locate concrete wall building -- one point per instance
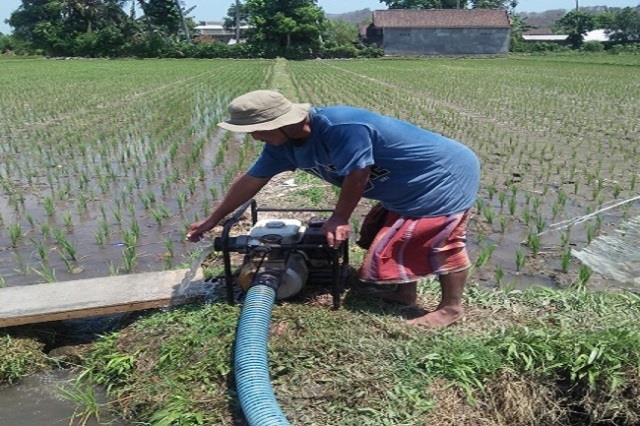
(215, 31)
(440, 31)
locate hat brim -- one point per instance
(296, 115)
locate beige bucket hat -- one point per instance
(263, 110)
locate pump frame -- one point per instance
(339, 255)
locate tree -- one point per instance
(65, 27)
(6, 43)
(230, 19)
(40, 23)
(576, 23)
(495, 4)
(340, 33)
(625, 26)
(282, 24)
(161, 15)
(519, 26)
(425, 4)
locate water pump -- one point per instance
(283, 253)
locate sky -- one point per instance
(213, 10)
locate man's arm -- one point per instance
(241, 191)
(337, 228)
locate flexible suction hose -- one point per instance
(251, 365)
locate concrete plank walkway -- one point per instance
(97, 296)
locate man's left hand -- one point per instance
(336, 230)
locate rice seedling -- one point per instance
(488, 214)
(584, 274)
(565, 260)
(533, 241)
(41, 249)
(68, 249)
(512, 205)
(192, 185)
(134, 228)
(68, 221)
(168, 245)
(45, 272)
(540, 223)
(485, 255)
(48, 205)
(520, 259)
(117, 215)
(160, 214)
(502, 198)
(15, 234)
(181, 200)
(45, 230)
(213, 192)
(591, 232)
(498, 274)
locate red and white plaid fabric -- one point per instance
(408, 248)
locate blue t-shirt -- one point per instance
(414, 172)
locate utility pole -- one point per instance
(237, 21)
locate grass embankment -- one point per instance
(534, 357)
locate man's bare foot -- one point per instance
(441, 317)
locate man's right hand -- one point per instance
(197, 229)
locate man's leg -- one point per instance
(450, 308)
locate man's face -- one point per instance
(271, 137)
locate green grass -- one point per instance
(363, 365)
(19, 357)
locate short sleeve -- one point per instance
(272, 160)
(351, 147)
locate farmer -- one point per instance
(425, 183)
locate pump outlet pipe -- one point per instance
(251, 363)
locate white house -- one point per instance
(217, 32)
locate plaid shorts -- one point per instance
(405, 249)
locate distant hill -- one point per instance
(357, 17)
(544, 21)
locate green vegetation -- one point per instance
(19, 357)
(102, 28)
(558, 355)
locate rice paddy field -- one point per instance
(105, 162)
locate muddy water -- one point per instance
(38, 401)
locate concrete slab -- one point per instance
(97, 296)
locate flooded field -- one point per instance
(102, 173)
(104, 163)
